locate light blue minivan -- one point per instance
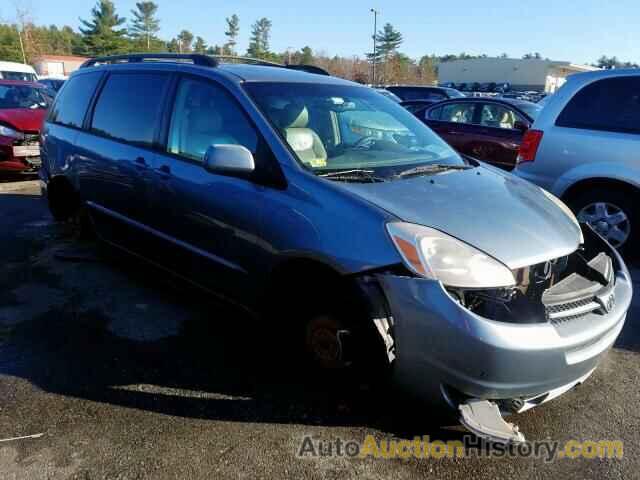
(329, 206)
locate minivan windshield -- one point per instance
(333, 128)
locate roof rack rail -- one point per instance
(267, 63)
(196, 59)
(309, 69)
(250, 60)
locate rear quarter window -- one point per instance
(71, 104)
(612, 104)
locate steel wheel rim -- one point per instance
(608, 220)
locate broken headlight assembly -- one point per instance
(435, 255)
(556, 291)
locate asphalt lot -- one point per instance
(128, 375)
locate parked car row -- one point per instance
(579, 144)
(337, 210)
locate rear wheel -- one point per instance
(611, 213)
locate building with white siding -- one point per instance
(521, 74)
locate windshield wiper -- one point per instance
(431, 169)
(356, 175)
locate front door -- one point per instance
(212, 222)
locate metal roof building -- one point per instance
(522, 74)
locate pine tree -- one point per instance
(259, 42)
(200, 46)
(389, 40)
(145, 25)
(101, 35)
(185, 39)
(233, 29)
(306, 56)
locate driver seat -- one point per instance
(303, 141)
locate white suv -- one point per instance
(584, 147)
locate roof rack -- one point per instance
(267, 63)
(197, 59)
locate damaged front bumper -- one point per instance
(448, 354)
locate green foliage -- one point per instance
(10, 44)
(184, 41)
(102, 35)
(145, 25)
(306, 56)
(612, 62)
(389, 40)
(200, 46)
(259, 42)
(233, 29)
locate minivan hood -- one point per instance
(508, 218)
(23, 119)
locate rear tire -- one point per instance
(612, 214)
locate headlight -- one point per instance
(10, 132)
(438, 256)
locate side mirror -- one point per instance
(229, 160)
(520, 125)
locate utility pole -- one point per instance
(24, 57)
(375, 46)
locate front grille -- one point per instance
(564, 312)
(576, 296)
(29, 139)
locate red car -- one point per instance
(23, 106)
(489, 129)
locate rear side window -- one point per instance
(612, 105)
(129, 107)
(434, 114)
(458, 112)
(72, 102)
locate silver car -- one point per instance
(584, 148)
(350, 222)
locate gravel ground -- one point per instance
(127, 375)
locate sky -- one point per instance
(579, 31)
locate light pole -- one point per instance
(375, 55)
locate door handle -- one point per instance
(164, 171)
(141, 162)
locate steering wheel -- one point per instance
(365, 142)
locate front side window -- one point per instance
(130, 106)
(612, 104)
(72, 102)
(335, 127)
(497, 116)
(205, 115)
(458, 113)
(23, 96)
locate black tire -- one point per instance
(586, 206)
(80, 225)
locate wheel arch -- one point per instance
(581, 186)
